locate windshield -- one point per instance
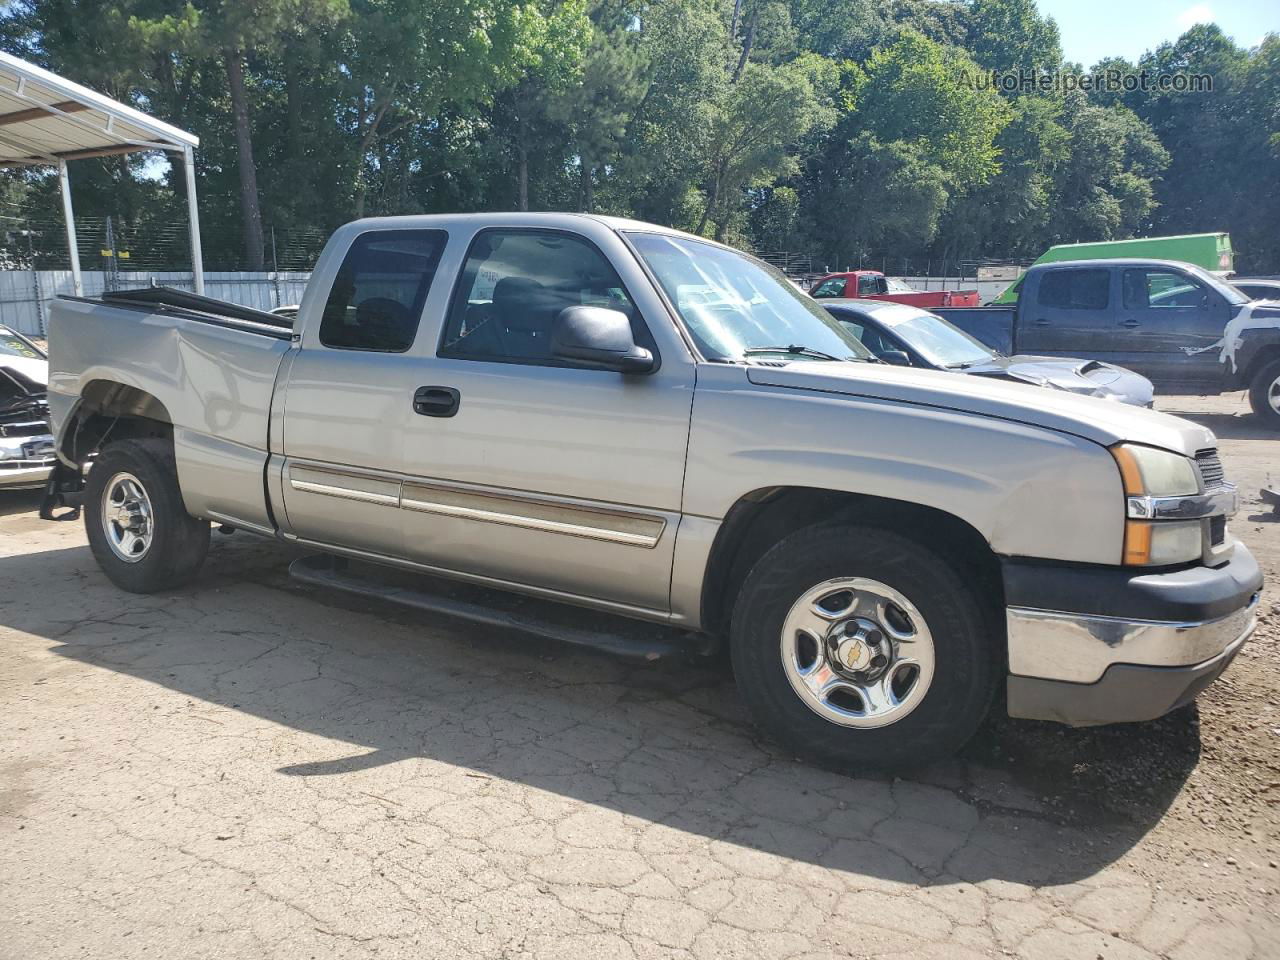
(12, 345)
(1230, 293)
(893, 285)
(936, 340)
(735, 306)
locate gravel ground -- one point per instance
(248, 768)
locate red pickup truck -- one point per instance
(874, 285)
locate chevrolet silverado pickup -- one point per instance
(1180, 326)
(618, 416)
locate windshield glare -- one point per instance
(938, 341)
(731, 303)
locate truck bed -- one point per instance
(992, 325)
(210, 365)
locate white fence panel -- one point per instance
(25, 294)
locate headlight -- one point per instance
(1148, 472)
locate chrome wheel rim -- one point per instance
(127, 517)
(857, 652)
(1273, 395)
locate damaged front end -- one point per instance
(26, 442)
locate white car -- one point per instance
(26, 445)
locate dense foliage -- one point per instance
(841, 129)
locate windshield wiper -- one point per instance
(795, 350)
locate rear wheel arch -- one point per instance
(109, 411)
(763, 517)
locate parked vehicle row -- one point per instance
(909, 336)
(627, 418)
(1178, 325)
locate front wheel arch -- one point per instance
(761, 518)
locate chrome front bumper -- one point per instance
(1163, 638)
(1079, 648)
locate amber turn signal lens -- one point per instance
(1137, 541)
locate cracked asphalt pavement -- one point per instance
(251, 768)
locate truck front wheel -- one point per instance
(1264, 394)
(139, 530)
(858, 647)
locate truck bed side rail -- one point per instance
(193, 307)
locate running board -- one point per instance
(619, 636)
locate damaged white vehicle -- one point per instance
(26, 444)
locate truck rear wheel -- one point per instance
(859, 647)
(139, 530)
(1264, 394)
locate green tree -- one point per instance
(1011, 35)
(754, 126)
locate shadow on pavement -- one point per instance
(666, 742)
(1227, 426)
(13, 502)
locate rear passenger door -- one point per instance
(349, 391)
(1069, 312)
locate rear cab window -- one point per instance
(1088, 289)
(377, 296)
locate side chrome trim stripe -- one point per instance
(345, 486)
(629, 529)
(345, 493)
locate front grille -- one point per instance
(1210, 468)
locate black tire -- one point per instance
(968, 661)
(178, 541)
(1265, 381)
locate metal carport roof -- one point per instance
(46, 119)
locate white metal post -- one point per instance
(64, 184)
(193, 217)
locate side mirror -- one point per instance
(598, 336)
(897, 358)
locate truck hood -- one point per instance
(1102, 421)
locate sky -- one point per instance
(1094, 29)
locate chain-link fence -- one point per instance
(115, 244)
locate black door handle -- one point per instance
(436, 401)
(1041, 321)
(1129, 323)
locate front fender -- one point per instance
(1028, 490)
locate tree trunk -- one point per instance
(250, 213)
(712, 195)
(522, 175)
(586, 186)
(747, 43)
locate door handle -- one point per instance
(1130, 323)
(436, 401)
(1041, 322)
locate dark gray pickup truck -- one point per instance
(1178, 325)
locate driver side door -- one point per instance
(548, 474)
